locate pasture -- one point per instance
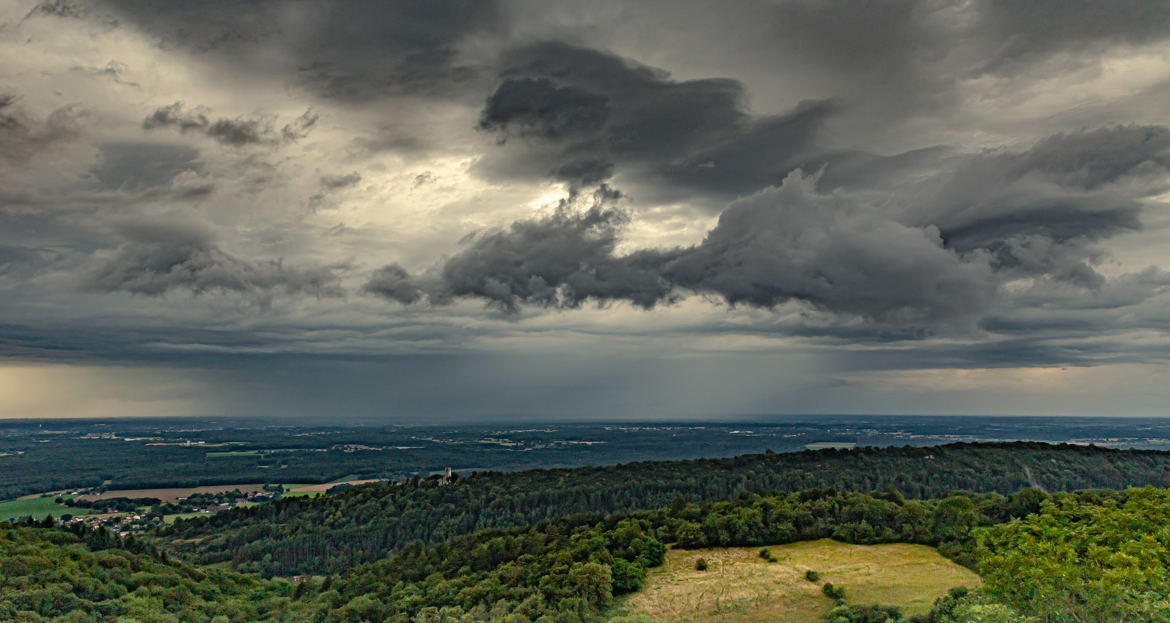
(739, 586)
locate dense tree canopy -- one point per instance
(1092, 555)
(361, 525)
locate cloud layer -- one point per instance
(549, 199)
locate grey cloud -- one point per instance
(300, 127)
(793, 243)
(393, 282)
(935, 261)
(537, 107)
(23, 261)
(134, 166)
(159, 258)
(583, 116)
(237, 132)
(113, 70)
(334, 182)
(785, 243)
(1089, 159)
(351, 51)
(1030, 30)
(870, 42)
(1040, 211)
(559, 261)
(22, 136)
(58, 8)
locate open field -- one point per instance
(172, 494)
(170, 519)
(38, 507)
(322, 488)
(739, 586)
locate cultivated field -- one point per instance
(739, 586)
(294, 490)
(171, 494)
(38, 507)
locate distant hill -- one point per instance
(332, 534)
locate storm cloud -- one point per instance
(353, 51)
(160, 258)
(987, 220)
(583, 116)
(793, 193)
(786, 243)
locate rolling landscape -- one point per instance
(552, 311)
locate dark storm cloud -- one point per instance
(159, 258)
(861, 38)
(1039, 211)
(537, 107)
(560, 261)
(793, 243)
(237, 132)
(991, 218)
(783, 244)
(901, 43)
(352, 51)
(590, 109)
(581, 116)
(1031, 30)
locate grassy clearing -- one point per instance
(38, 507)
(302, 494)
(739, 586)
(170, 519)
(312, 490)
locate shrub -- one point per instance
(701, 564)
(812, 576)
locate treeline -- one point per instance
(335, 533)
(1088, 556)
(110, 505)
(569, 569)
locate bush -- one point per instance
(766, 554)
(812, 576)
(701, 564)
(833, 592)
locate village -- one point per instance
(153, 508)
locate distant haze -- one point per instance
(507, 210)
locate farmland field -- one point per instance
(172, 494)
(38, 507)
(295, 490)
(738, 585)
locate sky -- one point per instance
(462, 210)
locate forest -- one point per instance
(332, 534)
(36, 457)
(1053, 531)
(1085, 556)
